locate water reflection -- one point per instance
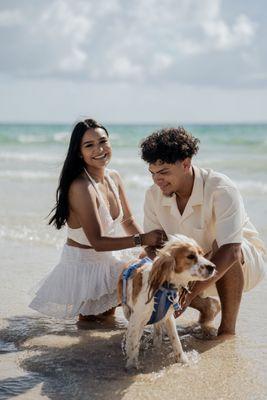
(84, 361)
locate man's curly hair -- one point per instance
(169, 145)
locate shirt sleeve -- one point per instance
(229, 215)
(151, 221)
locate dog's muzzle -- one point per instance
(203, 269)
(207, 270)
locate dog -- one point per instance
(179, 262)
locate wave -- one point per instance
(33, 135)
(245, 187)
(34, 234)
(61, 137)
(138, 181)
(141, 180)
(252, 187)
(18, 156)
(127, 162)
(32, 138)
(27, 175)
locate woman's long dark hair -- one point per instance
(72, 168)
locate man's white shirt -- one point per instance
(214, 211)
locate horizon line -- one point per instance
(137, 123)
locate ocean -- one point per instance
(31, 157)
(42, 358)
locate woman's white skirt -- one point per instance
(84, 282)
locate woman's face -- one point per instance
(95, 148)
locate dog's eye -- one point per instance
(191, 257)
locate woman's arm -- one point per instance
(83, 202)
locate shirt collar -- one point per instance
(197, 194)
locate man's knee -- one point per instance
(237, 255)
(235, 251)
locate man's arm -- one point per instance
(229, 220)
(224, 258)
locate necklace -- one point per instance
(106, 196)
(104, 193)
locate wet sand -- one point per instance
(41, 358)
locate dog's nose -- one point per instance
(210, 268)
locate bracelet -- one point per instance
(137, 240)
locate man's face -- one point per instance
(168, 177)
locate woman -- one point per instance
(91, 201)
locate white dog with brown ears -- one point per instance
(179, 262)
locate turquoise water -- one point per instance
(31, 157)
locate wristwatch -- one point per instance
(137, 240)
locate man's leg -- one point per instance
(230, 289)
(208, 308)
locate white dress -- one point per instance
(84, 281)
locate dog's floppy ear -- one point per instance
(160, 273)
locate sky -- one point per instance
(133, 61)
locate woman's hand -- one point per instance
(154, 238)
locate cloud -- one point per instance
(225, 37)
(141, 41)
(61, 21)
(10, 18)
(122, 67)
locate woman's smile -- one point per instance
(100, 157)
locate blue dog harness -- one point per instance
(127, 273)
(165, 296)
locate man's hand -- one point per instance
(184, 299)
(151, 252)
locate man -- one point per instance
(206, 206)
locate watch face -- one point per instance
(137, 240)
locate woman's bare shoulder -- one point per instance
(80, 185)
(115, 176)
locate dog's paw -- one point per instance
(181, 358)
(205, 333)
(157, 342)
(131, 366)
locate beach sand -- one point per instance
(42, 358)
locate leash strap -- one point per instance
(127, 273)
